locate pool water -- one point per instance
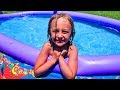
(90, 39)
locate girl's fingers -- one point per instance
(63, 52)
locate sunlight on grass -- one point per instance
(110, 14)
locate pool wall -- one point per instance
(100, 20)
(103, 21)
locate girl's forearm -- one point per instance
(43, 68)
(65, 68)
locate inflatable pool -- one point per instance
(87, 65)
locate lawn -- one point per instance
(110, 14)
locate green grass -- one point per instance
(8, 12)
(110, 14)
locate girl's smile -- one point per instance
(60, 31)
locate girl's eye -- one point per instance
(55, 31)
(65, 32)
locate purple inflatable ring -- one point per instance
(87, 65)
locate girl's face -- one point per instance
(60, 31)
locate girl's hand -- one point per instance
(63, 53)
(55, 54)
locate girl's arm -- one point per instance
(42, 64)
(69, 70)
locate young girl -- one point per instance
(60, 32)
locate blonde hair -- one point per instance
(57, 16)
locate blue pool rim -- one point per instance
(103, 21)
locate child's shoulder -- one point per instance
(73, 47)
(47, 44)
(72, 50)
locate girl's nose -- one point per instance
(59, 34)
(60, 38)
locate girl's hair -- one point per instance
(57, 16)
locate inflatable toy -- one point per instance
(87, 65)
